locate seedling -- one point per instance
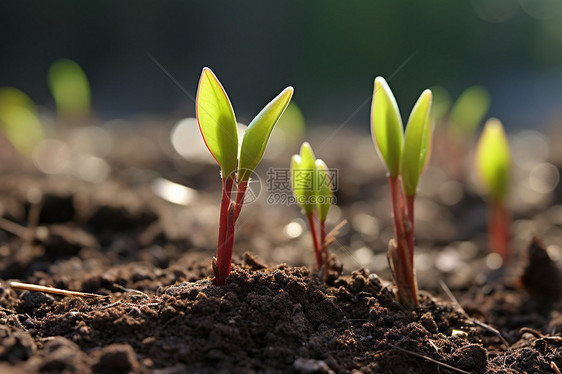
(468, 112)
(312, 188)
(19, 121)
(457, 128)
(217, 124)
(405, 157)
(492, 159)
(70, 88)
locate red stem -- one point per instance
(223, 255)
(240, 193)
(313, 232)
(402, 253)
(322, 234)
(498, 229)
(398, 212)
(410, 228)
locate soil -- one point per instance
(149, 259)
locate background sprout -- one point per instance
(312, 188)
(405, 158)
(217, 124)
(291, 124)
(493, 161)
(70, 88)
(469, 111)
(19, 120)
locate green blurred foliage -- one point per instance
(70, 88)
(19, 121)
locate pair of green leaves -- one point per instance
(404, 154)
(217, 123)
(493, 159)
(311, 182)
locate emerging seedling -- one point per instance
(492, 159)
(70, 88)
(19, 121)
(217, 124)
(405, 157)
(312, 188)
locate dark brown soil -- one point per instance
(160, 313)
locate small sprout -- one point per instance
(405, 157)
(19, 120)
(70, 88)
(469, 111)
(493, 162)
(312, 187)
(217, 124)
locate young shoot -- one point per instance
(19, 121)
(312, 188)
(405, 157)
(492, 160)
(70, 88)
(217, 124)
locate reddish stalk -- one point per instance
(498, 229)
(313, 232)
(322, 234)
(410, 227)
(222, 248)
(240, 194)
(400, 251)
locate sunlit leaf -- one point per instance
(303, 169)
(19, 121)
(469, 111)
(386, 126)
(70, 88)
(323, 190)
(217, 122)
(258, 132)
(493, 159)
(416, 143)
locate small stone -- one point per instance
(31, 301)
(117, 358)
(308, 365)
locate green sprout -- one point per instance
(70, 88)
(312, 187)
(19, 120)
(469, 111)
(493, 161)
(217, 124)
(405, 157)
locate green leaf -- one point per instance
(217, 122)
(303, 171)
(469, 111)
(386, 126)
(19, 120)
(70, 88)
(416, 143)
(493, 159)
(323, 190)
(258, 132)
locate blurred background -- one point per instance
(330, 51)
